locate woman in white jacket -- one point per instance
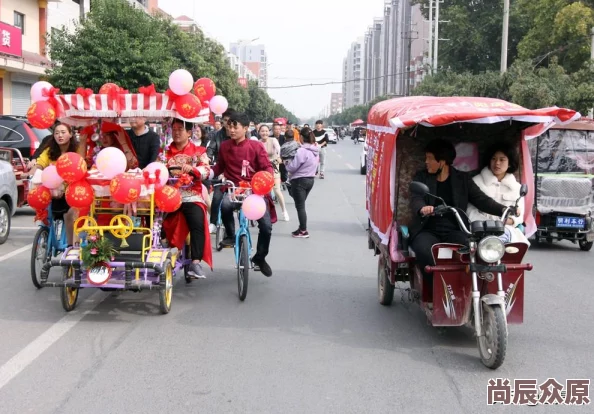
(498, 182)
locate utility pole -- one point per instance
(436, 40)
(504, 36)
(591, 111)
(430, 36)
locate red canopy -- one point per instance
(358, 122)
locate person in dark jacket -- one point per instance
(146, 143)
(218, 137)
(457, 189)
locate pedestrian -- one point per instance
(199, 137)
(276, 133)
(146, 143)
(302, 169)
(287, 152)
(273, 150)
(322, 141)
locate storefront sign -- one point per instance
(11, 40)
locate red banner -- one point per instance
(11, 40)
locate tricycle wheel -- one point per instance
(243, 268)
(4, 221)
(493, 343)
(166, 291)
(385, 289)
(68, 295)
(220, 236)
(39, 255)
(186, 275)
(585, 246)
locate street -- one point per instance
(311, 339)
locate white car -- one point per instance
(8, 193)
(364, 159)
(332, 138)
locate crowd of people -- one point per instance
(235, 149)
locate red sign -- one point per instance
(11, 40)
(243, 82)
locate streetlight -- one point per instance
(504, 36)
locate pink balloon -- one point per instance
(254, 207)
(218, 104)
(50, 178)
(37, 91)
(181, 82)
(111, 161)
(163, 175)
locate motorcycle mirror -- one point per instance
(523, 190)
(418, 188)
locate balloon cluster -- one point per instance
(45, 108)
(188, 105)
(254, 206)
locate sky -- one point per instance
(305, 40)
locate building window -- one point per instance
(19, 21)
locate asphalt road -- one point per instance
(310, 339)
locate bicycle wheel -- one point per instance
(243, 267)
(39, 255)
(68, 295)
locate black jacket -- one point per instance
(215, 143)
(464, 191)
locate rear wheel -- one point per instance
(385, 289)
(39, 255)
(166, 291)
(4, 221)
(68, 295)
(220, 236)
(493, 344)
(243, 268)
(585, 246)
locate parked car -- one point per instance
(17, 132)
(8, 194)
(332, 138)
(364, 159)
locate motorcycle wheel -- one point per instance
(585, 246)
(493, 344)
(385, 290)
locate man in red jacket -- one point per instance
(239, 159)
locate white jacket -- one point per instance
(504, 192)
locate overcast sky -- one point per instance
(305, 40)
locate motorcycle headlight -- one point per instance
(491, 249)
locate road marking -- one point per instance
(24, 228)
(339, 156)
(39, 345)
(333, 150)
(16, 252)
(350, 166)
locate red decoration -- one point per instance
(188, 106)
(183, 180)
(262, 183)
(39, 198)
(71, 167)
(148, 90)
(80, 194)
(168, 199)
(84, 92)
(205, 89)
(109, 89)
(41, 114)
(125, 188)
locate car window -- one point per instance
(9, 135)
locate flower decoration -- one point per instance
(98, 251)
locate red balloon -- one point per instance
(41, 114)
(71, 167)
(80, 194)
(262, 183)
(205, 89)
(39, 198)
(188, 106)
(109, 88)
(168, 199)
(125, 188)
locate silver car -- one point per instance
(8, 193)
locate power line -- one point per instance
(334, 82)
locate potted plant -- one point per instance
(96, 254)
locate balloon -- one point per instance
(37, 91)
(41, 115)
(262, 183)
(39, 198)
(218, 104)
(80, 194)
(188, 106)
(50, 178)
(109, 88)
(181, 82)
(163, 175)
(125, 188)
(168, 199)
(254, 207)
(71, 167)
(111, 161)
(205, 89)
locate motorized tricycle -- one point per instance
(563, 159)
(480, 284)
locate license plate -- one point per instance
(571, 222)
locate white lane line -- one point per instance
(23, 228)
(339, 156)
(39, 345)
(349, 166)
(16, 252)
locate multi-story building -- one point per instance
(354, 75)
(186, 24)
(254, 57)
(243, 72)
(335, 103)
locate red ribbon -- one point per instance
(84, 92)
(184, 179)
(51, 94)
(148, 90)
(172, 95)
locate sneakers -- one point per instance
(260, 265)
(321, 176)
(228, 242)
(212, 228)
(195, 271)
(285, 216)
(300, 234)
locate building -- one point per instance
(63, 15)
(354, 75)
(186, 24)
(242, 70)
(254, 57)
(335, 103)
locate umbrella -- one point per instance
(358, 122)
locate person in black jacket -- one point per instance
(218, 137)
(457, 189)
